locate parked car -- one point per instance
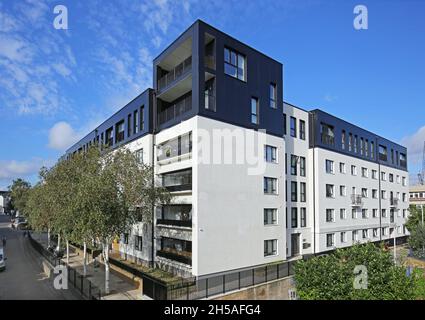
(20, 223)
(2, 260)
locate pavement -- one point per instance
(121, 288)
(24, 278)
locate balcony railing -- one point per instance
(394, 202)
(180, 181)
(356, 200)
(177, 223)
(175, 74)
(176, 110)
(183, 256)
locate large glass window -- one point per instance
(294, 160)
(270, 216)
(302, 129)
(294, 191)
(327, 134)
(270, 247)
(284, 124)
(234, 64)
(270, 154)
(270, 185)
(142, 118)
(303, 212)
(293, 127)
(302, 166)
(178, 181)
(119, 129)
(175, 147)
(303, 191)
(294, 218)
(383, 154)
(109, 136)
(136, 122)
(254, 110)
(273, 96)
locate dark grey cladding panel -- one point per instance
(317, 117)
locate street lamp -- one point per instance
(395, 242)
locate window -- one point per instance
(365, 172)
(375, 232)
(355, 235)
(364, 214)
(129, 125)
(343, 237)
(342, 214)
(384, 213)
(302, 166)
(392, 156)
(354, 213)
(138, 243)
(329, 166)
(136, 121)
(342, 191)
(125, 238)
(270, 216)
(284, 124)
(374, 194)
(294, 191)
(270, 154)
(293, 127)
(365, 233)
(142, 118)
(404, 181)
(383, 176)
(109, 137)
(342, 168)
(119, 129)
(330, 192)
(270, 248)
(383, 156)
(364, 193)
(366, 148)
(354, 170)
(375, 213)
(350, 142)
(404, 197)
(139, 156)
(355, 143)
(343, 139)
(330, 215)
(302, 129)
(330, 240)
(303, 191)
(303, 212)
(270, 185)
(372, 150)
(234, 64)
(327, 134)
(403, 160)
(273, 96)
(361, 146)
(294, 160)
(391, 177)
(294, 218)
(374, 174)
(254, 110)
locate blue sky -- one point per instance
(56, 85)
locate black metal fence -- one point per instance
(83, 285)
(221, 284)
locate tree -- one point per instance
(333, 276)
(115, 191)
(417, 232)
(19, 191)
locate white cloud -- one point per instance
(62, 136)
(330, 98)
(415, 144)
(13, 169)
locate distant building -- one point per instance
(4, 201)
(417, 195)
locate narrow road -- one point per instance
(23, 278)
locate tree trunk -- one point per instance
(106, 261)
(85, 259)
(48, 237)
(59, 243)
(67, 251)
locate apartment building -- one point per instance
(254, 180)
(417, 195)
(4, 201)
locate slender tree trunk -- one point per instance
(85, 259)
(48, 237)
(67, 251)
(59, 243)
(106, 261)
